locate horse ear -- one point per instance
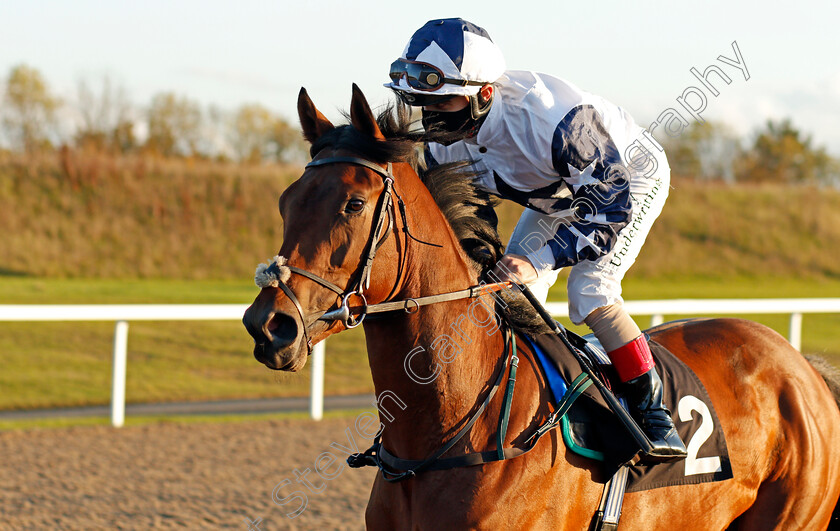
(314, 123)
(361, 116)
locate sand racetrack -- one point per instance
(180, 476)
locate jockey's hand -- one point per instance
(519, 268)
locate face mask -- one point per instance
(459, 125)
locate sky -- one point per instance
(636, 54)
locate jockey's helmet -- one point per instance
(444, 58)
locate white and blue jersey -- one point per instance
(559, 151)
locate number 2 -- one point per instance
(693, 464)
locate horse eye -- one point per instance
(354, 206)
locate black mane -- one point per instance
(469, 210)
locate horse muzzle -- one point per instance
(277, 337)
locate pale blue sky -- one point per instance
(636, 54)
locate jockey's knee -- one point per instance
(613, 326)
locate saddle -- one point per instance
(592, 430)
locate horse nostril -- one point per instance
(283, 329)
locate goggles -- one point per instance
(423, 76)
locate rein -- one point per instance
(393, 468)
(344, 312)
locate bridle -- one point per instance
(384, 207)
(394, 469)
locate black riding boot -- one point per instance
(644, 396)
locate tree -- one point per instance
(781, 153)
(29, 116)
(174, 125)
(251, 133)
(704, 151)
(256, 135)
(106, 118)
(122, 136)
(288, 142)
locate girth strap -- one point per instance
(374, 455)
(446, 463)
(395, 469)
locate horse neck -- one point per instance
(459, 341)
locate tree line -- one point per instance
(175, 126)
(171, 125)
(778, 152)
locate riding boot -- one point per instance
(642, 388)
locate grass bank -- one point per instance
(75, 214)
(88, 215)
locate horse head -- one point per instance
(337, 216)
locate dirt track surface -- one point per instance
(179, 476)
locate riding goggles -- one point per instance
(423, 76)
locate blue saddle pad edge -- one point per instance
(558, 386)
(552, 374)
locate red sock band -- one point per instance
(633, 359)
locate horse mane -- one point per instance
(468, 209)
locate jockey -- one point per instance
(592, 182)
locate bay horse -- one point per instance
(361, 229)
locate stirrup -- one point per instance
(672, 449)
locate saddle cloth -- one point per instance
(592, 430)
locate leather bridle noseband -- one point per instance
(384, 207)
(393, 468)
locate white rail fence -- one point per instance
(123, 313)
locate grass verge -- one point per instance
(69, 364)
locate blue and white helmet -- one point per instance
(461, 51)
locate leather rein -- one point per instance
(393, 468)
(344, 312)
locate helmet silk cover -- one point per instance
(460, 49)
